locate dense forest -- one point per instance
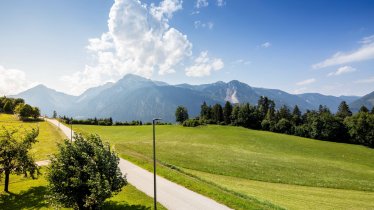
(322, 124)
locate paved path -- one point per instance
(169, 194)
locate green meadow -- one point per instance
(26, 193)
(30, 194)
(245, 168)
(48, 138)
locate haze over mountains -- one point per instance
(136, 98)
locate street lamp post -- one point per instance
(154, 161)
(71, 131)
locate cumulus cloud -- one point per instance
(13, 81)
(266, 45)
(342, 70)
(166, 9)
(139, 40)
(203, 65)
(365, 52)
(200, 24)
(306, 82)
(365, 81)
(201, 3)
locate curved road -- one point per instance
(169, 194)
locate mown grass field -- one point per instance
(26, 193)
(245, 168)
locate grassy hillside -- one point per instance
(30, 194)
(48, 138)
(249, 164)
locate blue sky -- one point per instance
(296, 46)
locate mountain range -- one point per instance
(137, 98)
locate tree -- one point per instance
(323, 109)
(296, 116)
(284, 112)
(248, 117)
(235, 114)
(26, 111)
(84, 173)
(205, 111)
(263, 105)
(181, 114)
(361, 128)
(217, 113)
(343, 111)
(7, 108)
(18, 108)
(325, 126)
(372, 110)
(364, 109)
(283, 126)
(268, 123)
(14, 154)
(227, 110)
(35, 113)
(18, 101)
(54, 114)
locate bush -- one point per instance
(192, 123)
(84, 173)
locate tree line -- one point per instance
(18, 106)
(322, 124)
(103, 121)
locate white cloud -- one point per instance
(201, 3)
(266, 45)
(166, 9)
(365, 52)
(241, 62)
(306, 82)
(139, 40)
(300, 90)
(199, 24)
(13, 81)
(367, 40)
(203, 66)
(342, 70)
(221, 3)
(365, 81)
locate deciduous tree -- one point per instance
(84, 173)
(14, 153)
(181, 114)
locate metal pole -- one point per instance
(154, 165)
(154, 162)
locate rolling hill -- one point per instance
(236, 166)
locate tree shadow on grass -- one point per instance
(114, 205)
(32, 198)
